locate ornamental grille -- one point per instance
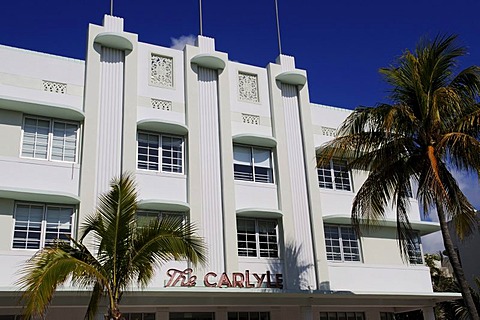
(250, 119)
(55, 87)
(327, 131)
(247, 87)
(161, 71)
(161, 104)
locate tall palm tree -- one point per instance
(125, 252)
(430, 128)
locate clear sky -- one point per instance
(341, 43)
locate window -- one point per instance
(341, 243)
(415, 251)
(257, 237)
(11, 317)
(49, 139)
(334, 176)
(387, 316)
(248, 316)
(252, 164)
(192, 315)
(145, 217)
(342, 316)
(138, 316)
(39, 225)
(151, 146)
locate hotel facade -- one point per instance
(229, 146)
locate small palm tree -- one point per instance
(430, 128)
(124, 253)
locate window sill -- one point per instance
(250, 259)
(347, 262)
(256, 184)
(36, 161)
(162, 174)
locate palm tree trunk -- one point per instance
(455, 262)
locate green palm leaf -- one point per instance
(431, 127)
(124, 252)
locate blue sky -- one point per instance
(341, 44)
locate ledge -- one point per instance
(163, 205)
(259, 213)
(255, 140)
(114, 40)
(424, 227)
(41, 108)
(209, 60)
(158, 125)
(292, 77)
(39, 196)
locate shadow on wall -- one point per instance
(295, 272)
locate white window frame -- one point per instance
(50, 139)
(415, 254)
(337, 180)
(257, 235)
(342, 231)
(262, 315)
(143, 315)
(348, 315)
(255, 177)
(43, 224)
(160, 163)
(154, 214)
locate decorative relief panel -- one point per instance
(250, 119)
(55, 87)
(161, 104)
(327, 131)
(247, 87)
(161, 71)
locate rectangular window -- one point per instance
(252, 164)
(49, 139)
(11, 317)
(257, 237)
(387, 316)
(342, 316)
(153, 147)
(145, 217)
(139, 316)
(249, 316)
(40, 225)
(192, 315)
(334, 176)
(415, 250)
(341, 243)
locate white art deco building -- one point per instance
(229, 146)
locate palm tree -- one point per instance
(443, 283)
(125, 252)
(430, 128)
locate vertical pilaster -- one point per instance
(298, 189)
(210, 166)
(110, 118)
(298, 184)
(110, 109)
(206, 142)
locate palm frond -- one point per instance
(162, 240)
(93, 304)
(48, 269)
(463, 150)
